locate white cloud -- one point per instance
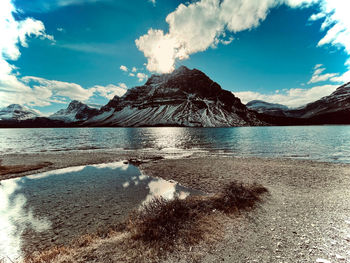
(227, 41)
(344, 78)
(159, 49)
(319, 77)
(111, 90)
(92, 47)
(44, 5)
(299, 96)
(291, 98)
(153, 2)
(60, 88)
(14, 34)
(199, 25)
(141, 76)
(123, 86)
(336, 23)
(35, 91)
(124, 68)
(318, 66)
(60, 29)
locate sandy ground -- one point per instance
(305, 218)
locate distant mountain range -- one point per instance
(267, 108)
(184, 98)
(332, 109)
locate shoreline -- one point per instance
(305, 217)
(22, 164)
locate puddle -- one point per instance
(53, 208)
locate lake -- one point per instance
(320, 143)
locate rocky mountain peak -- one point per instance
(15, 107)
(75, 105)
(342, 90)
(76, 111)
(185, 97)
(159, 78)
(17, 112)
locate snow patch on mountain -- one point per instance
(76, 111)
(263, 105)
(18, 113)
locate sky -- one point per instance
(282, 51)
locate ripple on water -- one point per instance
(321, 143)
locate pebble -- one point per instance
(339, 257)
(321, 260)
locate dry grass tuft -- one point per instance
(162, 223)
(46, 256)
(236, 197)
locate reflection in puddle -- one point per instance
(53, 208)
(167, 190)
(14, 219)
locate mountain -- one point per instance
(17, 116)
(182, 98)
(17, 112)
(332, 109)
(75, 112)
(267, 108)
(337, 102)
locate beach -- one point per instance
(305, 217)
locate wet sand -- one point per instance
(58, 160)
(306, 216)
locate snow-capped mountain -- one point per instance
(267, 108)
(338, 101)
(75, 112)
(17, 112)
(332, 109)
(182, 98)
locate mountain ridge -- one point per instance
(182, 98)
(17, 112)
(188, 98)
(75, 112)
(324, 110)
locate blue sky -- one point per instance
(93, 50)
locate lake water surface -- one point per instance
(321, 143)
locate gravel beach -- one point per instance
(304, 218)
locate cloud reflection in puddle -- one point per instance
(14, 219)
(159, 188)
